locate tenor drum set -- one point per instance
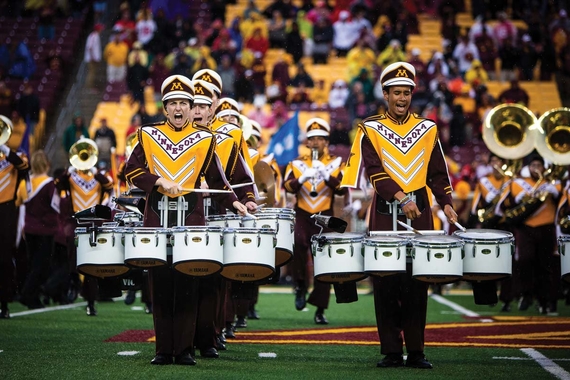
(472, 255)
(242, 249)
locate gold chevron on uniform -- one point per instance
(85, 190)
(226, 149)
(323, 200)
(9, 178)
(174, 155)
(404, 149)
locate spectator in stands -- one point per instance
(106, 141)
(438, 66)
(235, 34)
(464, 53)
(258, 112)
(361, 56)
(548, 60)
(302, 76)
(28, 106)
(450, 29)
(257, 42)
(514, 94)
(323, 34)
(228, 74)
(93, 55)
(393, 53)
(259, 74)
(158, 72)
(294, 43)
(277, 30)
(137, 77)
(73, 132)
(213, 32)
(508, 54)
(248, 26)
(115, 54)
(163, 39)
(367, 85)
(420, 66)
(279, 115)
(125, 28)
(457, 126)
(320, 10)
(488, 52)
(136, 123)
(479, 28)
(250, 8)
(21, 61)
(244, 87)
(528, 58)
(205, 60)
(338, 94)
(400, 33)
(306, 32)
(223, 46)
(6, 99)
(345, 34)
(476, 74)
(339, 134)
(286, 8)
(46, 21)
(145, 27)
(280, 73)
(300, 95)
(359, 19)
(183, 29)
(138, 54)
(504, 30)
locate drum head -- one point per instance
(339, 238)
(484, 234)
(437, 240)
(385, 240)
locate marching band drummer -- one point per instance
(171, 157)
(13, 168)
(303, 176)
(401, 155)
(538, 274)
(86, 188)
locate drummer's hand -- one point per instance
(169, 187)
(240, 207)
(411, 210)
(450, 214)
(251, 206)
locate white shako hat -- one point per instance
(398, 74)
(177, 86)
(211, 77)
(317, 127)
(256, 129)
(227, 107)
(203, 92)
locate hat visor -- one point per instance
(177, 95)
(201, 100)
(399, 82)
(317, 132)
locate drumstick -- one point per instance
(208, 191)
(460, 227)
(242, 185)
(261, 205)
(250, 216)
(409, 228)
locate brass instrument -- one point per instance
(314, 157)
(83, 154)
(553, 136)
(265, 182)
(529, 204)
(130, 143)
(6, 128)
(507, 133)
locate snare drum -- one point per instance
(437, 259)
(224, 220)
(104, 257)
(338, 258)
(384, 255)
(284, 225)
(564, 249)
(131, 219)
(197, 250)
(146, 247)
(249, 253)
(487, 254)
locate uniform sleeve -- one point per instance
(291, 184)
(215, 178)
(383, 185)
(244, 193)
(438, 177)
(137, 173)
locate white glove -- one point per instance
(309, 173)
(490, 196)
(71, 170)
(4, 149)
(318, 165)
(323, 173)
(93, 170)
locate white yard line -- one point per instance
(46, 309)
(454, 306)
(547, 364)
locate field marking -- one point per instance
(547, 364)
(454, 306)
(128, 353)
(46, 309)
(519, 358)
(271, 355)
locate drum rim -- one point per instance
(148, 230)
(222, 217)
(262, 230)
(102, 230)
(178, 229)
(506, 234)
(373, 239)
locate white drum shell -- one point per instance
(340, 259)
(284, 225)
(197, 250)
(224, 220)
(437, 259)
(564, 249)
(249, 254)
(146, 247)
(384, 255)
(488, 254)
(106, 258)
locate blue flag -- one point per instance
(284, 143)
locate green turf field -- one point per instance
(67, 344)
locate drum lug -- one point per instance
(222, 239)
(512, 249)
(274, 241)
(330, 245)
(428, 252)
(351, 250)
(562, 249)
(277, 226)
(292, 227)
(375, 253)
(449, 255)
(474, 250)
(156, 239)
(185, 239)
(207, 238)
(134, 239)
(113, 238)
(258, 240)
(235, 239)
(92, 237)
(498, 251)
(398, 250)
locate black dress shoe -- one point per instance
(391, 361)
(161, 359)
(300, 301)
(252, 314)
(525, 303)
(506, 307)
(148, 308)
(241, 322)
(222, 338)
(130, 298)
(210, 353)
(420, 363)
(184, 359)
(320, 319)
(90, 309)
(4, 313)
(220, 346)
(230, 331)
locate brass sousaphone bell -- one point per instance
(5, 129)
(83, 154)
(553, 136)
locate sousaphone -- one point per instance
(553, 136)
(5, 129)
(83, 154)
